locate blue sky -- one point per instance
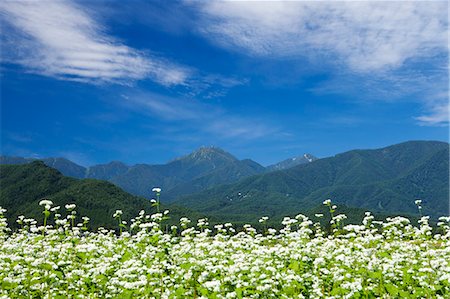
(147, 81)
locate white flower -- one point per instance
(45, 202)
(156, 189)
(184, 220)
(117, 213)
(263, 219)
(272, 231)
(418, 202)
(71, 206)
(327, 202)
(340, 217)
(54, 209)
(156, 216)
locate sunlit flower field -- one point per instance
(390, 259)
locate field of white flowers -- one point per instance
(391, 259)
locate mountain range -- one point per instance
(197, 171)
(23, 186)
(386, 180)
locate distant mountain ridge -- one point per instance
(386, 180)
(288, 163)
(106, 171)
(214, 183)
(23, 186)
(64, 165)
(197, 171)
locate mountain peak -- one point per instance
(208, 153)
(209, 150)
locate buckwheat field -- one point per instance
(390, 259)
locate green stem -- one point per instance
(46, 214)
(157, 202)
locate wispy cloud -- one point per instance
(429, 90)
(60, 39)
(197, 117)
(209, 86)
(163, 107)
(438, 114)
(388, 50)
(365, 35)
(19, 137)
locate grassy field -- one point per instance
(390, 259)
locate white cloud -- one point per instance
(439, 115)
(389, 50)
(428, 89)
(162, 107)
(22, 137)
(228, 126)
(364, 35)
(211, 86)
(197, 117)
(60, 39)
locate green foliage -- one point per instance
(23, 186)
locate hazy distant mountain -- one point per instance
(14, 160)
(288, 163)
(106, 171)
(384, 180)
(67, 167)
